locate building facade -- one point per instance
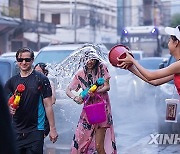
(37, 23)
(79, 21)
(18, 17)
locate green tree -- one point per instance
(175, 20)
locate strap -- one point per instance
(83, 81)
(96, 95)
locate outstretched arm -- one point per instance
(150, 75)
(156, 82)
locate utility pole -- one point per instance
(71, 13)
(93, 20)
(75, 21)
(21, 9)
(37, 20)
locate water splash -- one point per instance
(64, 71)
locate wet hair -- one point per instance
(25, 49)
(43, 67)
(95, 67)
(174, 38)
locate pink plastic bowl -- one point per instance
(118, 51)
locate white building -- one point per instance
(79, 21)
(133, 12)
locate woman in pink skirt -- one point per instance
(92, 138)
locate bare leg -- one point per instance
(99, 137)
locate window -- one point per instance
(82, 21)
(52, 56)
(42, 17)
(56, 18)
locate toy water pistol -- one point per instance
(15, 98)
(93, 88)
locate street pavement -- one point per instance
(142, 147)
(133, 126)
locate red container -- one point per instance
(118, 51)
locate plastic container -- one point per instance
(96, 113)
(118, 51)
(171, 110)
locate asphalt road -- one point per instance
(134, 126)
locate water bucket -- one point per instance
(118, 51)
(96, 113)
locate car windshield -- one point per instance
(5, 68)
(53, 56)
(151, 64)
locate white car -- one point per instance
(55, 54)
(9, 55)
(13, 54)
(138, 54)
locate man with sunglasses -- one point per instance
(28, 119)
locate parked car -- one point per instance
(130, 88)
(163, 92)
(126, 87)
(55, 54)
(13, 55)
(150, 63)
(9, 55)
(8, 69)
(138, 54)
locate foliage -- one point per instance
(11, 11)
(175, 20)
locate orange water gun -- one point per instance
(16, 97)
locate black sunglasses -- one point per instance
(26, 59)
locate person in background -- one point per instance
(28, 119)
(92, 138)
(158, 77)
(41, 67)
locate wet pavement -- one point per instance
(133, 128)
(133, 125)
(142, 147)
